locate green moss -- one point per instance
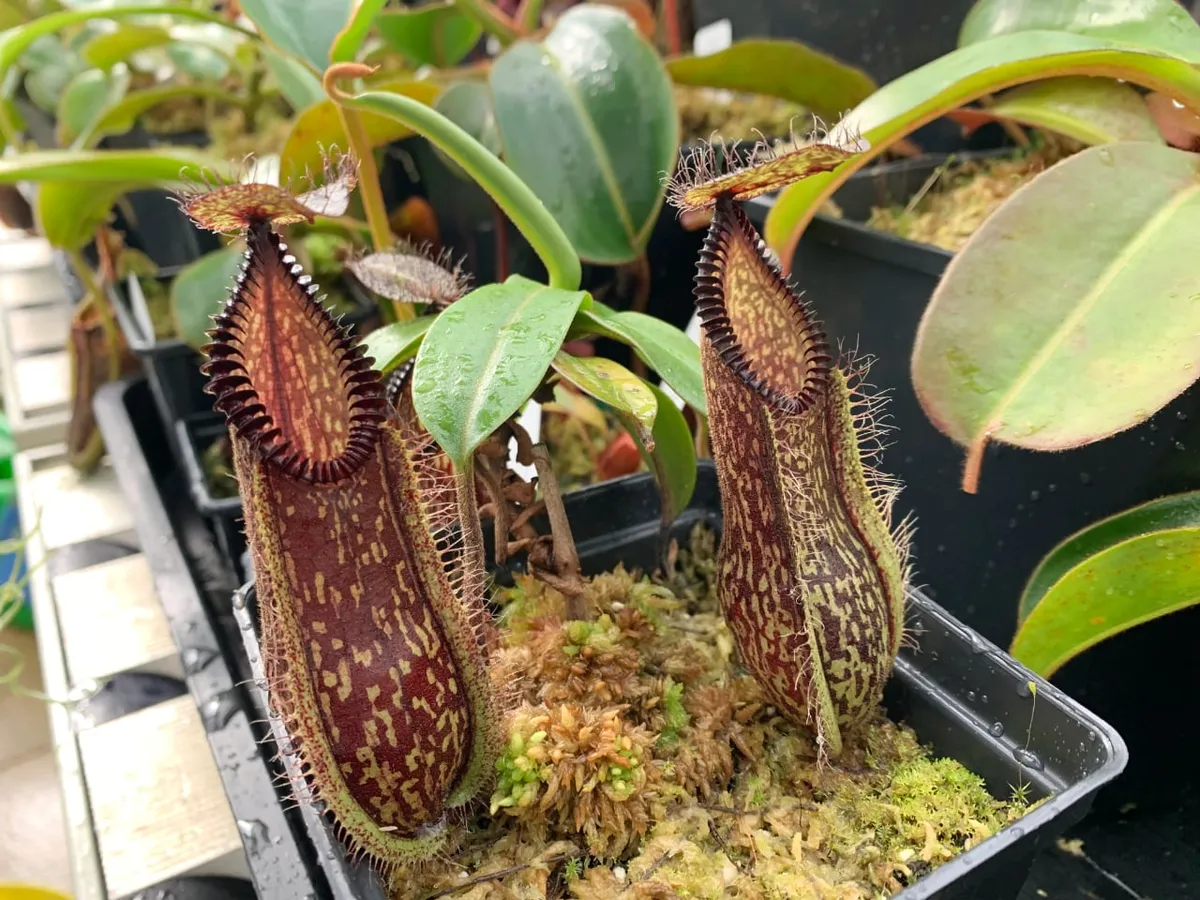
(675, 714)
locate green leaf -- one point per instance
(199, 61)
(432, 34)
(612, 384)
(786, 69)
(1073, 313)
(304, 28)
(485, 356)
(661, 346)
(673, 457)
(394, 344)
(15, 41)
(69, 212)
(1118, 573)
(84, 98)
(120, 117)
(350, 40)
(106, 50)
(468, 104)
(1163, 514)
(1160, 25)
(1090, 110)
(321, 126)
(587, 119)
(199, 291)
(141, 168)
(46, 83)
(958, 78)
(300, 87)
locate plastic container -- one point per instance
(12, 565)
(870, 290)
(194, 435)
(954, 691)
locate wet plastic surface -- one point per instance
(975, 553)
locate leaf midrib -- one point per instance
(992, 423)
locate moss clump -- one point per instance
(642, 764)
(966, 194)
(735, 116)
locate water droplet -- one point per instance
(1160, 543)
(262, 685)
(220, 710)
(1023, 690)
(1175, 103)
(1181, 415)
(255, 835)
(1052, 488)
(1179, 445)
(1105, 157)
(1085, 478)
(1012, 523)
(1035, 495)
(1153, 426)
(997, 729)
(1028, 759)
(196, 658)
(1016, 831)
(1091, 736)
(971, 696)
(983, 698)
(239, 599)
(1108, 592)
(247, 625)
(941, 548)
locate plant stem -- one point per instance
(493, 20)
(566, 557)
(670, 14)
(529, 15)
(95, 297)
(471, 564)
(501, 225)
(511, 194)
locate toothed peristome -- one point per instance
(370, 634)
(811, 576)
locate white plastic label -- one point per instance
(713, 38)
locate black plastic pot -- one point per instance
(975, 552)
(961, 694)
(173, 366)
(194, 435)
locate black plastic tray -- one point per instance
(961, 694)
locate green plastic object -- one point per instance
(10, 523)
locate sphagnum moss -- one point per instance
(643, 763)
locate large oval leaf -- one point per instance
(199, 291)
(786, 69)
(485, 356)
(1162, 25)
(1090, 110)
(912, 100)
(672, 458)
(1163, 514)
(320, 126)
(587, 119)
(432, 34)
(660, 345)
(397, 343)
(612, 384)
(84, 98)
(1123, 583)
(69, 212)
(304, 28)
(1049, 334)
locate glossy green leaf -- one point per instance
(106, 50)
(485, 356)
(121, 117)
(1161, 25)
(468, 104)
(397, 343)
(612, 384)
(300, 87)
(1119, 573)
(321, 126)
(200, 290)
(15, 41)
(1073, 313)
(144, 168)
(1164, 514)
(661, 346)
(350, 39)
(83, 100)
(432, 34)
(958, 78)
(69, 212)
(672, 458)
(587, 119)
(786, 69)
(1090, 110)
(304, 28)
(199, 61)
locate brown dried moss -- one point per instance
(961, 197)
(643, 764)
